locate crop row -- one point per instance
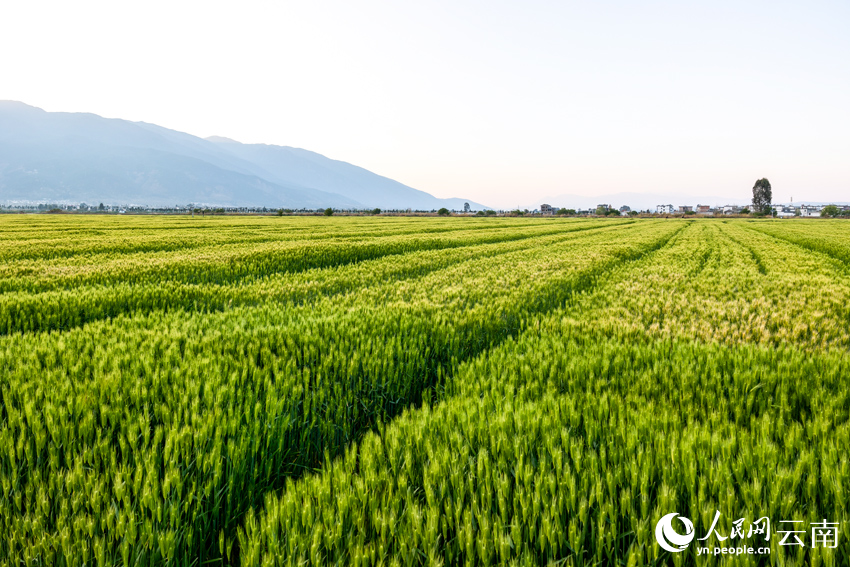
(231, 263)
(569, 442)
(568, 445)
(65, 309)
(66, 240)
(725, 283)
(827, 237)
(143, 440)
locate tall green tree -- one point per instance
(762, 196)
(830, 211)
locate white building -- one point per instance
(664, 209)
(810, 211)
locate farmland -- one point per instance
(418, 391)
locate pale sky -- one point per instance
(499, 102)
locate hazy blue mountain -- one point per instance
(76, 157)
(79, 157)
(287, 165)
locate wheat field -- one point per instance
(264, 391)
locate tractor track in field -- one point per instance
(62, 310)
(461, 340)
(755, 256)
(511, 328)
(843, 262)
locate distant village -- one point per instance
(778, 210)
(700, 210)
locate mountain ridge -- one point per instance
(74, 157)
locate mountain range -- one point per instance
(81, 157)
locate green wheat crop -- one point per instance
(416, 391)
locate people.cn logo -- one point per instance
(670, 539)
